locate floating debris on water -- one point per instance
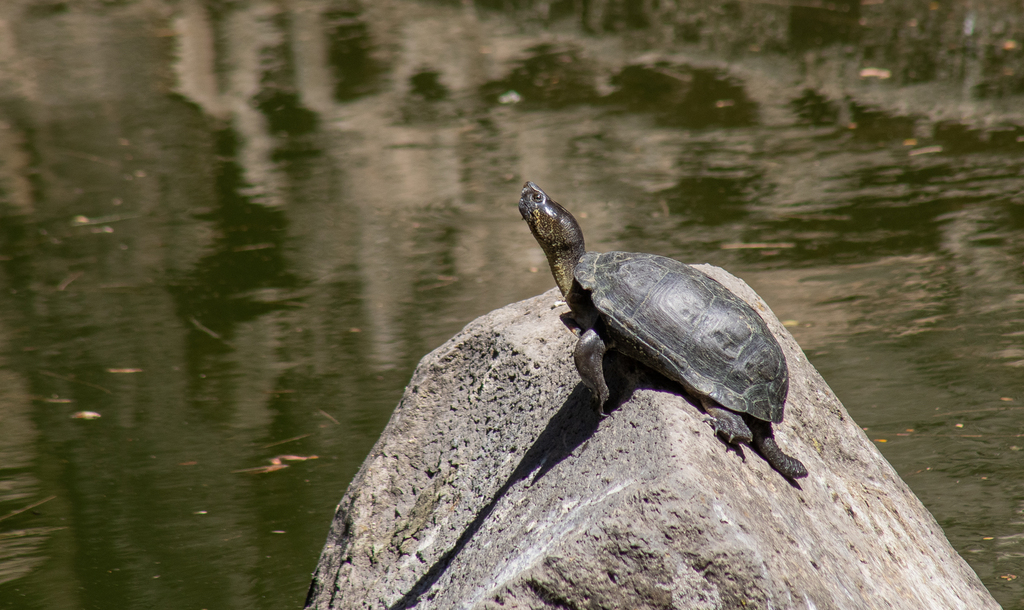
(510, 97)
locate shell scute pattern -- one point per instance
(688, 326)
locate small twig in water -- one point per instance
(29, 507)
(287, 440)
(67, 281)
(975, 411)
(200, 326)
(72, 379)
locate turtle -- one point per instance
(673, 319)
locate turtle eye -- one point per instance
(537, 198)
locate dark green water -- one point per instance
(236, 254)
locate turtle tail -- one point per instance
(764, 442)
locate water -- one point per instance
(233, 233)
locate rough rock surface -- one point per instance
(495, 486)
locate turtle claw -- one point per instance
(732, 437)
(600, 400)
(724, 434)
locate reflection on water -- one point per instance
(350, 53)
(548, 76)
(683, 96)
(233, 232)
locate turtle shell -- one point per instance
(688, 327)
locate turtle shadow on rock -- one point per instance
(569, 428)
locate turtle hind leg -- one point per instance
(764, 442)
(589, 357)
(728, 424)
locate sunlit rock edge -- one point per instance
(495, 436)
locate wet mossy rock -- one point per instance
(495, 486)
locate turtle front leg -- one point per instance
(589, 357)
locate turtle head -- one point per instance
(557, 232)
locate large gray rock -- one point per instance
(495, 486)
